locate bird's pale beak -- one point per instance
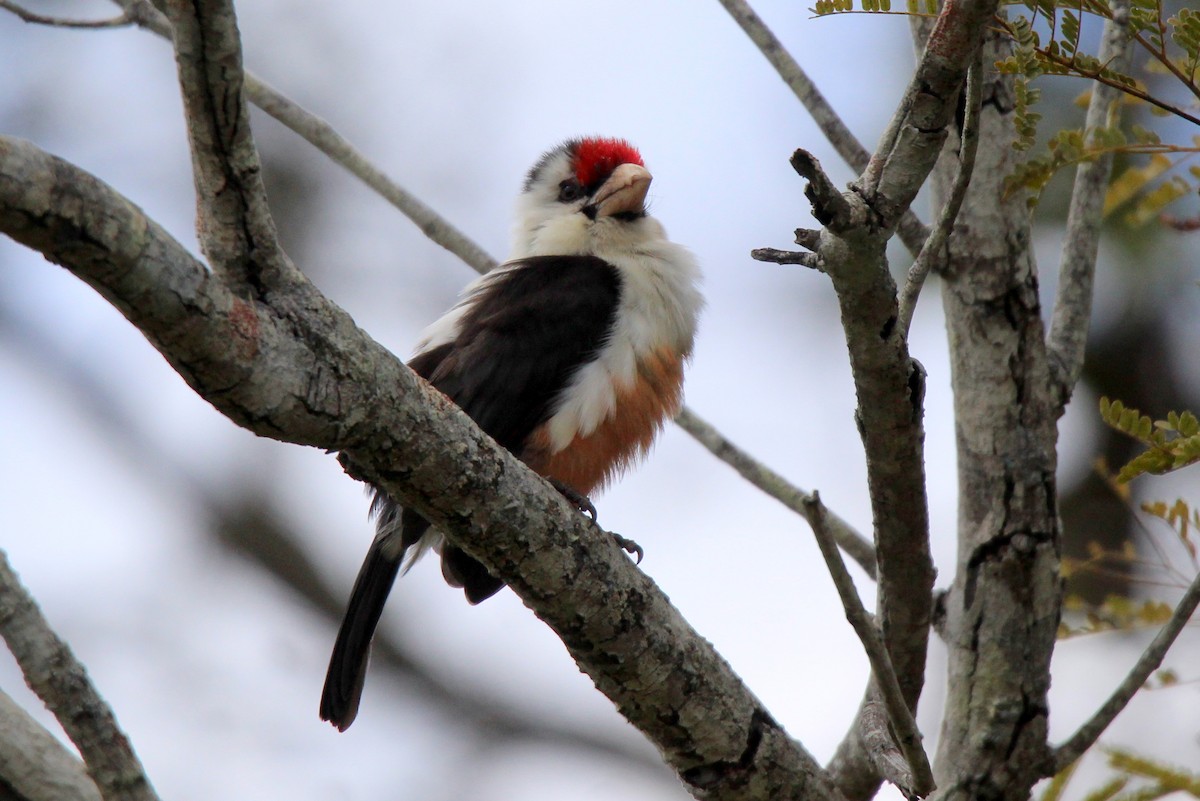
(624, 192)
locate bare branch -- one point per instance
(875, 728)
(25, 15)
(52, 672)
(896, 172)
(775, 256)
(856, 545)
(34, 765)
(917, 780)
(823, 114)
(323, 136)
(1067, 339)
(233, 219)
(830, 208)
(808, 238)
(933, 248)
(911, 231)
(1151, 658)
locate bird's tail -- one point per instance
(398, 531)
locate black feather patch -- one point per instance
(524, 338)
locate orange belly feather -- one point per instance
(589, 462)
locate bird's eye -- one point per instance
(569, 191)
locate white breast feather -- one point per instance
(660, 301)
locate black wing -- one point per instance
(522, 339)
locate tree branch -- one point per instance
(936, 243)
(1000, 614)
(1151, 658)
(249, 526)
(889, 384)
(25, 15)
(233, 220)
(775, 256)
(848, 539)
(914, 777)
(1067, 339)
(911, 231)
(52, 672)
(34, 765)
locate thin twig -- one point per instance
(932, 249)
(856, 545)
(912, 232)
(920, 782)
(62, 683)
(810, 260)
(25, 15)
(875, 729)
(325, 138)
(1067, 339)
(1151, 658)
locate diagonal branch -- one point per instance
(911, 231)
(1067, 339)
(25, 15)
(35, 765)
(915, 777)
(1151, 658)
(62, 683)
(856, 545)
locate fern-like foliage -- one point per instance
(1171, 444)
(1048, 39)
(1135, 777)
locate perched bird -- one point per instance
(570, 355)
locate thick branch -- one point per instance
(899, 168)
(301, 372)
(249, 526)
(52, 672)
(34, 765)
(1001, 612)
(1081, 242)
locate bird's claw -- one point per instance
(629, 546)
(581, 501)
(584, 504)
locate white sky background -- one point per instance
(214, 672)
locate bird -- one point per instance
(570, 355)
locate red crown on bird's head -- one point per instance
(597, 157)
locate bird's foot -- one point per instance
(584, 504)
(581, 501)
(628, 545)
